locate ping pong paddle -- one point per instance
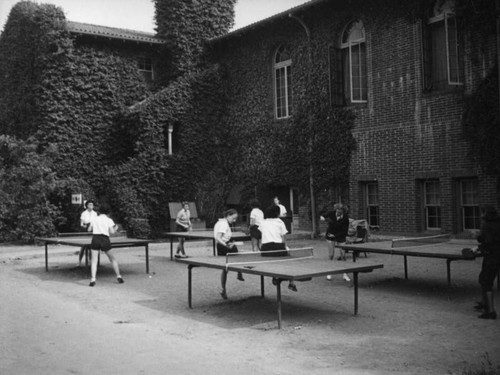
(468, 252)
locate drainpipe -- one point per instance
(308, 82)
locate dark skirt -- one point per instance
(273, 246)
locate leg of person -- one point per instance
(93, 267)
(114, 263)
(234, 249)
(255, 244)
(80, 256)
(486, 278)
(181, 248)
(331, 254)
(331, 249)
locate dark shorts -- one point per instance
(223, 250)
(489, 271)
(100, 242)
(273, 246)
(180, 228)
(255, 232)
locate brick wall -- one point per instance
(404, 135)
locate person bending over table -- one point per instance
(273, 231)
(102, 226)
(489, 245)
(256, 217)
(183, 224)
(87, 215)
(222, 235)
(336, 233)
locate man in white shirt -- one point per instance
(85, 219)
(222, 235)
(102, 227)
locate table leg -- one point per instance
(147, 258)
(190, 284)
(406, 267)
(262, 286)
(46, 258)
(171, 248)
(278, 296)
(355, 282)
(213, 245)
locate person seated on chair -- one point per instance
(85, 218)
(336, 233)
(273, 231)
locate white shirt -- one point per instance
(87, 216)
(222, 226)
(282, 210)
(102, 224)
(272, 230)
(257, 215)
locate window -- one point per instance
(145, 67)
(354, 62)
(443, 57)
(283, 83)
(432, 204)
(371, 204)
(469, 204)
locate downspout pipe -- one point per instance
(308, 82)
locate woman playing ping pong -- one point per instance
(273, 231)
(222, 235)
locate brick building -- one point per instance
(405, 76)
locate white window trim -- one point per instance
(348, 46)
(278, 66)
(145, 70)
(444, 18)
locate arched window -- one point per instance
(443, 55)
(283, 82)
(354, 62)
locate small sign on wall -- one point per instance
(76, 199)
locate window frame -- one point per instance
(347, 53)
(454, 62)
(428, 206)
(142, 63)
(282, 70)
(371, 209)
(476, 217)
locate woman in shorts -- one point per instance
(102, 226)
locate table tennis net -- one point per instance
(258, 257)
(420, 241)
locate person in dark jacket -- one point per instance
(489, 246)
(336, 233)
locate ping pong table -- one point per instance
(81, 240)
(203, 235)
(450, 250)
(283, 268)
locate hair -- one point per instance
(230, 212)
(104, 209)
(254, 203)
(272, 212)
(184, 203)
(87, 203)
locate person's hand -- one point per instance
(321, 218)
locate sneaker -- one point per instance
(178, 256)
(329, 277)
(223, 294)
(345, 277)
(240, 277)
(292, 287)
(120, 280)
(92, 283)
